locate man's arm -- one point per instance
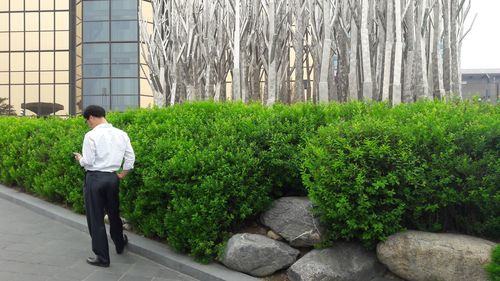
(128, 163)
(88, 153)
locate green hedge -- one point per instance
(428, 166)
(205, 169)
(493, 268)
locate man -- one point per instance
(104, 149)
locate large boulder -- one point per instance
(423, 256)
(342, 262)
(292, 218)
(258, 255)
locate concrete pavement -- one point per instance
(34, 247)
(40, 241)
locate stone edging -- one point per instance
(147, 248)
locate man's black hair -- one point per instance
(95, 111)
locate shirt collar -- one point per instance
(103, 126)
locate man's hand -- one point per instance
(78, 156)
(122, 174)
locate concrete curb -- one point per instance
(147, 248)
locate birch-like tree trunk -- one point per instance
(365, 52)
(348, 49)
(437, 78)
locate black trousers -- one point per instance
(101, 196)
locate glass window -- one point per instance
(17, 21)
(79, 32)
(62, 60)
(124, 86)
(16, 77)
(62, 40)
(100, 100)
(16, 5)
(47, 61)
(32, 21)
(123, 9)
(124, 53)
(31, 5)
(79, 101)
(4, 5)
(96, 70)
(62, 5)
(147, 101)
(47, 40)
(32, 77)
(95, 10)
(97, 87)
(147, 11)
(124, 70)
(47, 93)
(79, 51)
(4, 41)
(78, 72)
(62, 76)
(146, 88)
(47, 4)
(47, 77)
(47, 20)
(4, 61)
(17, 61)
(122, 103)
(4, 79)
(17, 41)
(62, 97)
(32, 59)
(32, 41)
(32, 93)
(124, 31)
(4, 21)
(62, 21)
(78, 11)
(96, 31)
(95, 53)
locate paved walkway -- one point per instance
(36, 248)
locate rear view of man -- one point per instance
(104, 150)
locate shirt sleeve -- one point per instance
(88, 152)
(129, 156)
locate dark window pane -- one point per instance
(124, 53)
(123, 9)
(95, 53)
(96, 100)
(97, 31)
(96, 87)
(125, 86)
(99, 70)
(121, 103)
(95, 10)
(124, 70)
(124, 31)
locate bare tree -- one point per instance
(394, 50)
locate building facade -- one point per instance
(481, 83)
(58, 56)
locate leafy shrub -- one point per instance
(493, 268)
(428, 166)
(204, 169)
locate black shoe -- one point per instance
(125, 242)
(97, 262)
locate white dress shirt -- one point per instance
(104, 149)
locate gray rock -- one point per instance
(257, 255)
(423, 256)
(342, 262)
(291, 217)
